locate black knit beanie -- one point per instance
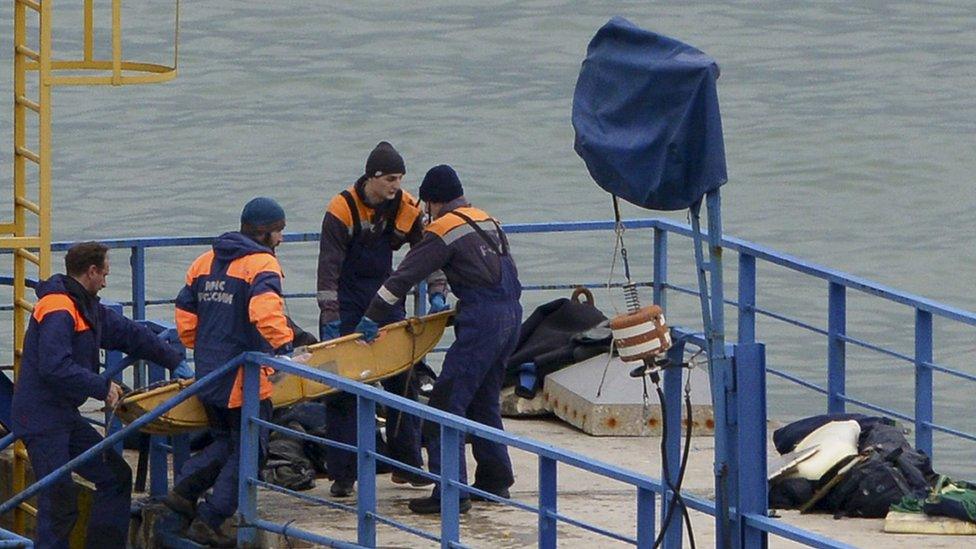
(441, 184)
(384, 160)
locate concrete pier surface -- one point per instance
(582, 496)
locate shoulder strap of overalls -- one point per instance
(391, 214)
(484, 236)
(354, 211)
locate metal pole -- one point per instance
(645, 518)
(450, 460)
(923, 381)
(137, 263)
(547, 503)
(366, 467)
(747, 298)
(672, 446)
(660, 268)
(752, 494)
(836, 348)
(247, 498)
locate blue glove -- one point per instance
(329, 330)
(438, 303)
(369, 328)
(183, 371)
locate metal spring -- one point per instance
(630, 297)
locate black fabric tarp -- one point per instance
(553, 337)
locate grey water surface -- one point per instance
(850, 130)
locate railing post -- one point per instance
(671, 416)
(547, 503)
(645, 518)
(752, 490)
(250, 447)
(661, 268)
(112, 358)
(837, 348)
(137, 262)
(450, 456)
(747, 298)
(366, 463)
(158, 455)
(923, 381)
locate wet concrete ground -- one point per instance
(583, 496)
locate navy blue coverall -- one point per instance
(231, 303)
(355, 257)
(473, 252)
(58, 374)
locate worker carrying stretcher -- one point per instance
(471, 248)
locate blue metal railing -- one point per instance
(452, 429)
(839, 285)
(836, 332)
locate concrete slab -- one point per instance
(617, 408)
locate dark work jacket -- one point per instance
(232, 303)
(476, 269)
(59, 369)
(356, 252)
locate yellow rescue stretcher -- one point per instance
(398, 347)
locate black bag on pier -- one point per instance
(873, 485)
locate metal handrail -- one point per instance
(110, 440)
(836, 333)
(444, 420)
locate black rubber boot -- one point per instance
(432, 506)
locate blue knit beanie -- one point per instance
(441, 184)
(263, 213)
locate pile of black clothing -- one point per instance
(295, 463)
(557, 334)
(886, 469)
(292, 462)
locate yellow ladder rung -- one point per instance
(27, 52)
(30, 509)
(31, 4)
(21, 100)
(24, 304)
(28, 154)
(8, 228)
(32, 257)
(27, 204)
(8, 242)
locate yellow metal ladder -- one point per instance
(29, 238)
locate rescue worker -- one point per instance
(59, 372)
(231, 303)
(362, 227)
(473, 251)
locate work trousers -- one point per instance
(218, 464)
(402, 430)
(469, 386)
(108, 523)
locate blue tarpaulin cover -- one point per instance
(646, 117)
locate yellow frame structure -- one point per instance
(35, 248)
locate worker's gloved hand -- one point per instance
(438, 303)
(183, 371)
(528, 381)
(329, 330)
(369, 328)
